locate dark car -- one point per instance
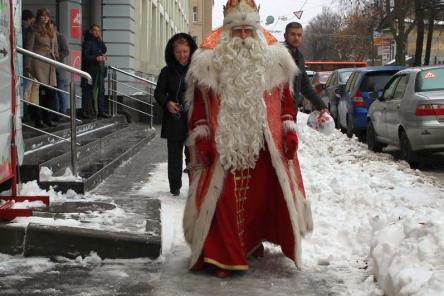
(354, 103)
(318, 83)
(334, 88)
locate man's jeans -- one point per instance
(62, 98)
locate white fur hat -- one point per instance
(241, 13)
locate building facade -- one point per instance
(135, 31)
(201, 12)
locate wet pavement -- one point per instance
(272, 275)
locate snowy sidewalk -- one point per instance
(375, 219)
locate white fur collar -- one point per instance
(202, 73)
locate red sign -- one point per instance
(76, 23)
(76, 61)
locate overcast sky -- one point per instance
(278, 8)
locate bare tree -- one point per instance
(320, 35)
(435, 11)
(419, 12)
(393, 16)
(356, 35)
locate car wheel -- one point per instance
(350, 130)
(406, 149)
(334, 115)
(372, 143)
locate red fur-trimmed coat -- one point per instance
(207, 182)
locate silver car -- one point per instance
(410, 113)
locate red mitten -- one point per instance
(323, 116)
(292, 144)
(204, 151)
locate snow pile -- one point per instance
(409, 258)
(115, 219)
(372, 211)
(46, 174)
(375, 220)
(28, 205)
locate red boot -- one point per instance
(222, 273)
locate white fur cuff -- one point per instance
(200, 131)
(289, 125)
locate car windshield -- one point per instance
(375, 81)
(323, 77)
(429, 80)
(343, 76)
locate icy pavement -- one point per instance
(89, 276)
(379, 229)
(272, 275)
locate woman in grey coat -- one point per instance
(42, 40)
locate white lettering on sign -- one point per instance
(77, 19)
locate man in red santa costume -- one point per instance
(246, 186)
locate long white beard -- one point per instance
(241, 120)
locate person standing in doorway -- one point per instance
(93, 62)
(169, 93)
(27, 21)
(293, 40)
(42, 40)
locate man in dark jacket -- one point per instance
(27, 21)
(293, 39)
(169, 94)
(93, 62)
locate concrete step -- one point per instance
(41, 148)
(70, 242)
(34, 140)
(99, 158)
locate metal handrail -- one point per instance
(130, 86)
(55, 63)
(49, 134)
(113, 92)
(49, 110)
(129, 97)
(47, 85)
(132, 75)
(137, 110)
(72, 97)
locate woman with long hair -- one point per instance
(42, 40)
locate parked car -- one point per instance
(318, 82)
(410, 113)
(334, 88)
(353, 105)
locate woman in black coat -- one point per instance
(169, 94)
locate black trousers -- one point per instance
(47, 98)
(175, 163)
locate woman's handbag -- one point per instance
(31, 92)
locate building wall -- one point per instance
(437, 52)
(118, 18)
(155, 22)
(200, 23)
(135, 31)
